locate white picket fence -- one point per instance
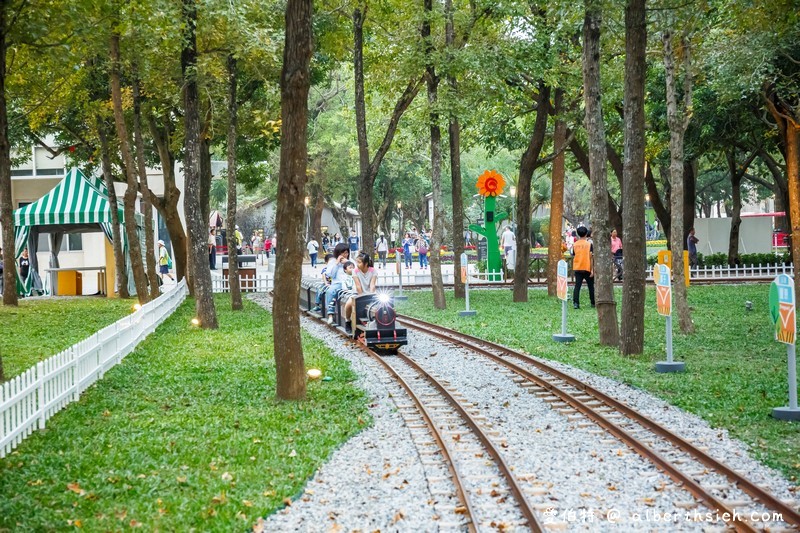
(726, 272)
(264, 282)
(30, 399)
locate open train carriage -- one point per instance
(376, 324)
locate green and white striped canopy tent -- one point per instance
(78, 204)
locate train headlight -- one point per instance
(384, 298)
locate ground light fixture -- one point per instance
(748, 305)
(314, 373)
(195, 321)
(137, 306)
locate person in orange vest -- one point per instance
(583, 266)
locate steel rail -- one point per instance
(788, 514)
(527, 510)
(461, 494)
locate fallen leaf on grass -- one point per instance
(134, 523)
(287, 502)
(181, 480)
(220, 498)
(293, 454)
(76, 488)
(247, 503)
(259, 526)
(227, 476)
(36, 483)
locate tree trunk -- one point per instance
(633, 289)
(603, 263)
(736, 200)
(678, 121)
(295, 81)
(168, 205)
(554, 254)
(205, 172)
(131, 193)
(6, 209)
(793, 179)
(138, 139)
(233, 263)
(198, 228)
(368, 169)
(367, 182)
(454, 134)
(116, 230)
(434, 252)
(527, 165)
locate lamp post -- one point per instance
(400, 227)
(307, 202)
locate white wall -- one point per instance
(755, 235)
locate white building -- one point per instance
(39, 173)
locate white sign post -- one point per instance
(664, 304)
(561, 292)
(783, 315)
(399, 296)
(465, 280)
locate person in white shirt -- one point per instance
(313, 248)
(382, 246)
(508, 240)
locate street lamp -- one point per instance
(400, 227)
(307, 202)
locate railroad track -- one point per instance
(689, 466)
(466, 443)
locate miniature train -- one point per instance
(375, 318)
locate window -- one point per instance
(72, 242)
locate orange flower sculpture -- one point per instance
(490, 183)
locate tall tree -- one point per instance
(368, 168)
(529, 162)
(147, 206)
(558, 174)
(737, 172)
(678, 118)
(595, 128)
(162, 131)
(432, 79)
(454, 137)
(295, 82)
(633, 289)
(129, 167)
(233, 263)
(200, 275)
(6, 209)
(116, 227)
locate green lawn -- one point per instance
(184, 434)
(38, 329)
(735, 373)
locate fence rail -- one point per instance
(264, 282)
(30, 399)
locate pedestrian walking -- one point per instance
(508, 240)
(422, 250)
(353, 241)
(313, 249)
(212, 250)
(616, 252)
(408, 249)
(164, 261)
(382, 246)
(583, 266)
(691, 245)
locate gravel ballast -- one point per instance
(577, 477)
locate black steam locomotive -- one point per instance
(374, 323)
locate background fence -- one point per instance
(28, 400)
